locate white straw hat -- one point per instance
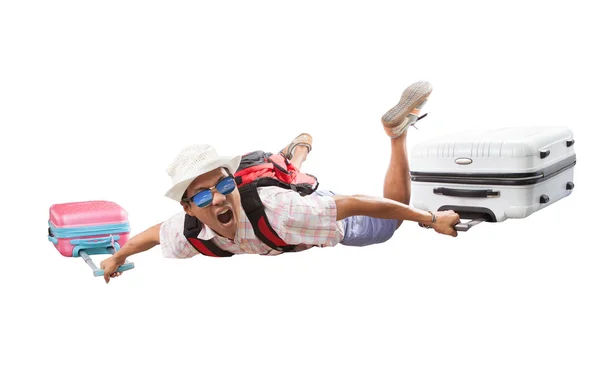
(194, 161)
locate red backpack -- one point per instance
(256, 169)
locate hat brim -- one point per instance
(230, 163)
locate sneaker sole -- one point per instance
(411, 98)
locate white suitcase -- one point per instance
(493, 175)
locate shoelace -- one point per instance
(415, 122)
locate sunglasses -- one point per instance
(205, 197)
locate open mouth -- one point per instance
(225, 217)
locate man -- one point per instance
(214, 220)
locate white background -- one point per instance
(96, 98)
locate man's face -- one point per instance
(223, 214)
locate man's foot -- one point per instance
(406, 112)
(303, 139)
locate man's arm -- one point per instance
(143, 241)
(378, 207)
(140, 242)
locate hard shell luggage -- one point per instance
(81, 229)
(493, 175)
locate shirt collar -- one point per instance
(240, 233)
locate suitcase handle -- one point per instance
(468, 193)
(99, 272)
(463, 226)
(103, 245)
(95, 242)
(467, 225)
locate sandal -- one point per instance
(303, 139)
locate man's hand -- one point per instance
(445, 221)
(110, 266)
(138, 243)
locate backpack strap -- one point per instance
(191, 229)
(255, 210)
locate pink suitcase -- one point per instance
(81, 229)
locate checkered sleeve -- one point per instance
(309, 220)
(172, 241)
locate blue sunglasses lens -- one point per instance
(205, 197)
(226, 185)
(202, 199)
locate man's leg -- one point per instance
(396, 122)
(364, 230)
(299, 156)
(396, 185)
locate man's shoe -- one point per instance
(406, 112)
(303, 139)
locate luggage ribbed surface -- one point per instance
(505, 150)
(87, 213)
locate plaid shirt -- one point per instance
(308, 221)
